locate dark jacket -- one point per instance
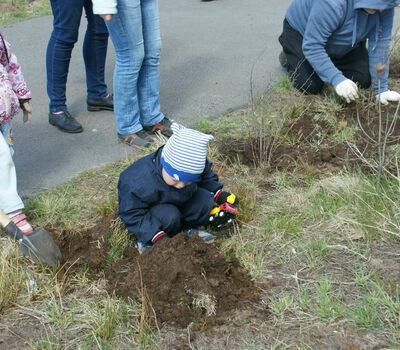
(141, 186)
(331, 28)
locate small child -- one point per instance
(14, 95)
(171, 190)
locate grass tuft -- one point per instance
(12, 276)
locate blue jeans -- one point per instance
(135, 33)
(67, 17)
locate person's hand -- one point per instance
(107, 18)
(221, 215)
(27, 110)
(347, 89)
(388, 96)
(222, 197)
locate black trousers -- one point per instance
(191, 214)
(354, 65)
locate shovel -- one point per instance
(38, 245)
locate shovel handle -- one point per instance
(12, 230)
(4, 219)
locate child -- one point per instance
(14, 95)
(171, 190)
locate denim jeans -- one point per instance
(135, 33)
(67, 17)
(9, 198)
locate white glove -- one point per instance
(385, 97)
(347, 89)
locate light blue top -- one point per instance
(331, 28)
(104, 7)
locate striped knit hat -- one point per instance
(184, 155)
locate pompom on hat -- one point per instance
(184, 155)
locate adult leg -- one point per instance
(127, 36)
(302, 75)
(169, 216)
(148, 83)
(355, 66)
(66, 19)
(196, 211)
(94, 53)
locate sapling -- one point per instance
(386, 128)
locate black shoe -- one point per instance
(101, 104)
(163, 127)
(65, 122)
(283, 60)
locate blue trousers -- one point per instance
(67, 17)
(135, 33)
(191, 214)
(354, 65)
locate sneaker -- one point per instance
(20, 221)
(204, 235)
(139, 139)
(163, 127)
(141, 247)
(283, 60)
(105, 103)
(65, 122)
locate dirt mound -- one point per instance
(184, 280)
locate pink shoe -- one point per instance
(20, 221)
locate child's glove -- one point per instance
(221, 215)
(27, 109)
(222, 197)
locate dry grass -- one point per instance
(12, 277)
(323, 247)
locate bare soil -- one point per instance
(170, 276)
(394, 69)
(87, 247)
(314, 145)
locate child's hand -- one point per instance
(27, 109)
(222, 197)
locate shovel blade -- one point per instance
(40, 247)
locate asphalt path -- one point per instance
(209, 51)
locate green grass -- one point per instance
(80, 202)
(19, 10)
(119, 240)
(322, 245)
(44, 343)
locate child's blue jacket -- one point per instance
(141, 186)
(331, 28)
